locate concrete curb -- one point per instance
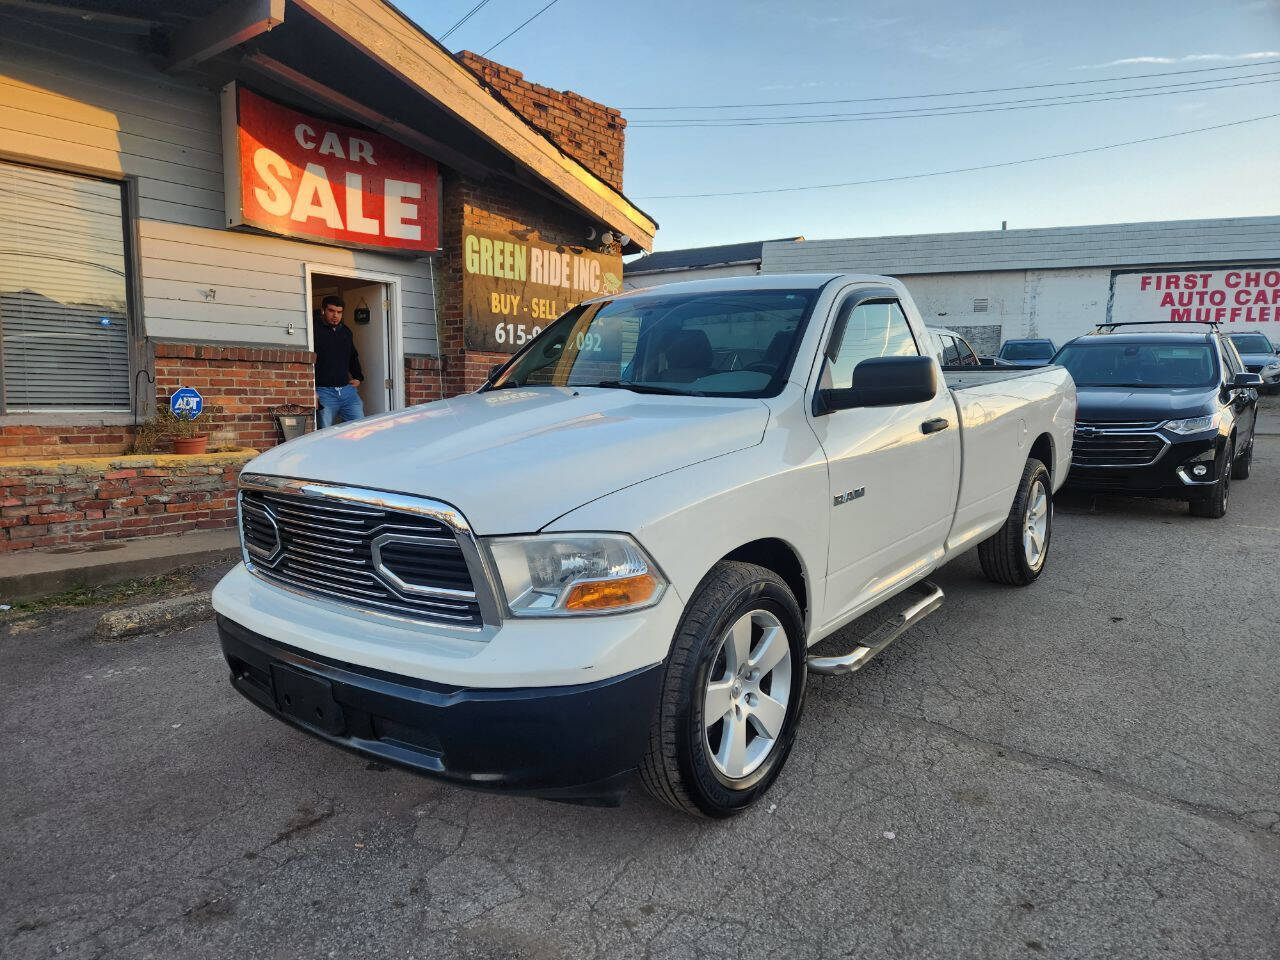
(171, 613)
(29, 575)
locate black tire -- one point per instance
(1214, 507)
(1243, 464)
(678, 768)
(1003, 555)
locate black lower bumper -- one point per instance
(1159, 479)
(569, 743)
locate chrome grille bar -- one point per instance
(326, 543)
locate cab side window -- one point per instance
(951, 356)
(876, 328)
(964, 354)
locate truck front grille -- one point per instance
(1116, 449)
(359, 553)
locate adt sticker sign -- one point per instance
(186, 403)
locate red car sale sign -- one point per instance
(299, 176)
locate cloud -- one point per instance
(1188, 58)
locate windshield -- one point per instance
(1252, 343)
(725, 343)
(1027, 350)
(1102, 364)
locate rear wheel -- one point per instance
(1214, 507)
(732, 694)
(1016, 553)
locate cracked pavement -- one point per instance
(1089, 767)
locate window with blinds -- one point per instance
(64, 330)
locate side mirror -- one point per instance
(493, 371)
(1247, 381)
(883, 382)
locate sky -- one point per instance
(660, 53)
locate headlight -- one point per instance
(575, 574)
(1272, 366)
(1194, 424)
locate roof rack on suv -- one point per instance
(1111, 325)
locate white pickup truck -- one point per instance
(618, 553)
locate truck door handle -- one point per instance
(934, 425)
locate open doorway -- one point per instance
(370, 311)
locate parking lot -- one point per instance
(1086, 768)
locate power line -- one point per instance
(952, 93)
(1193, 85)
(943, 173)
(941, 112)
(467, 16)
(519, 28)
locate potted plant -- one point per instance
(187, 435)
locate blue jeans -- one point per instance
(338, 402)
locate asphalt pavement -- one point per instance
(1089, 767)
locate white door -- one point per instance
(372, 340)
(893, 485)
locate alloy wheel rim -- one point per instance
(747, 694)
(1035, 527)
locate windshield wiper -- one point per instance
(642, 388)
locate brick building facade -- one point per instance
(228, 311)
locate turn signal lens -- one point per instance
(611, 594)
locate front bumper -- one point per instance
(569, 742)
(1163, 478)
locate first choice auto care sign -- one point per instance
(513, 287)
(1239, 296)
(300, 176)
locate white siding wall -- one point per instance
(81, 99)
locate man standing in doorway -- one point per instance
(338, 371)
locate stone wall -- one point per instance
(88, 500)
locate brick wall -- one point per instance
(68, 441)
(423, 379)
(248, 383)
(590, 132)
(92, 500)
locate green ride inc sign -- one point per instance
(512, 288)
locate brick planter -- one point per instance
(49, 503)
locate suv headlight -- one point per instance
(575, 574)
(1194, 424)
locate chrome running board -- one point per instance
(931, 597)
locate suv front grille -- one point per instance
(1119, 449)
(359, 553)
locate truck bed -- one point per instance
(962, 378)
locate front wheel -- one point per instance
(731, 696)
(1016, 553)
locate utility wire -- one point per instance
(953, 93)
(943, 173)
(519, 28)
(467, 16)
(942, 112)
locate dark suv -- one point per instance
(1165, 413)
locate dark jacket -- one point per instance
(337, 362)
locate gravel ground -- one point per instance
(1086, 768)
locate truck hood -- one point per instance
(514, 460)
(1129, 403)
